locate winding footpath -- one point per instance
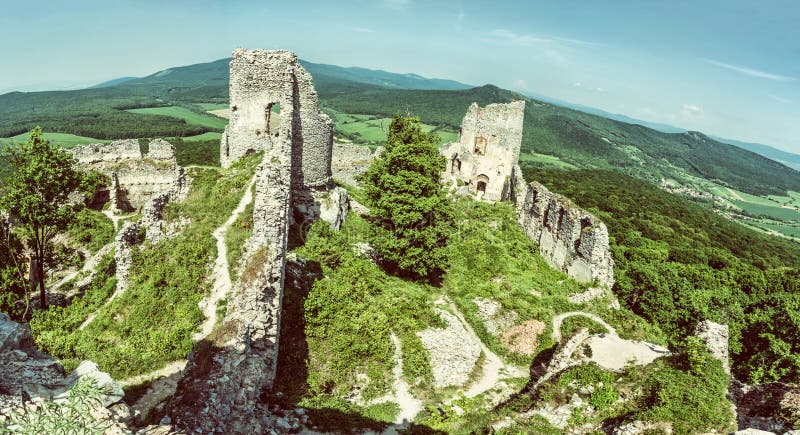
(409, 405)
(559, 319)
(208, 305)
(221, 274)
(88, 267)
(493, 366)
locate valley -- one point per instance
(264, 294)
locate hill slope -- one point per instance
(577, 138)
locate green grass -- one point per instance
(237, 235)
(783, 228)
(212, 106)
(191, 118)
(211, 135)
(544, 160)
(64, 139)
(492, 258)
(135, 333)
(777, 212)
(371, 129)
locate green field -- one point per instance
(64, 139)
(792, 230)
(211, 106)
(192, 118)
(205, 136)
(371, 129)
(543, 160)
(777, 212)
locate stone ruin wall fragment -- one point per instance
(228, 372)
(136, 178)
(487, 149)
(570, 239)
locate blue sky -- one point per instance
(730, 68)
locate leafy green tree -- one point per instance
(12, 272)
(404, 192)
(37, 196)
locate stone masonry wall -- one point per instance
(569, 238)
(136, 178)
(487, 150)
(260, 80)
(227, 373)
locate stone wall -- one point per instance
(569, 238)
(487, 149)
(227, 373)
(260, 82)
(136, 178)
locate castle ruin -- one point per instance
(484, 163)
(136, 177)
(274, 110)
(487, 150)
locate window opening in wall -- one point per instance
(480, 145)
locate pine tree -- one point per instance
(414, 215)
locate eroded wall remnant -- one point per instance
(484, 163)
(487, 149)
(228, 372)
(570, 239)
(136, 177)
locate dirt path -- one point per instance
(409, 405)
(220, 273)
(736, 195)
(89, 266)
(559, 319)
(115, 219)
(493, 369)
(168, 370)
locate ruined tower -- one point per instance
(267, 87)
(274, 109)
(487, 149)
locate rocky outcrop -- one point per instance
(136, 178)
(570, 239)
(127, 238)
(28, 377)
(772, 407)
(487, 150)
(453, 351)
(715, 337)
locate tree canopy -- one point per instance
(404, 193)
(37, 196)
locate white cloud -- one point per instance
(781, 99)
(751, 72)
(398, 5)
(521, 84)
(692, 108)
(511, 37)
(361, 30)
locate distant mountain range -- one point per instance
(577, 135)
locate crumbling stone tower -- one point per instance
(265, 88)
(487, 149)
(274, 109)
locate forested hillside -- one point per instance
(575, 138)
(677, 262)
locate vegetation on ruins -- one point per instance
(170, 274)
(677, 262)
(37, 197)
(404, 193)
